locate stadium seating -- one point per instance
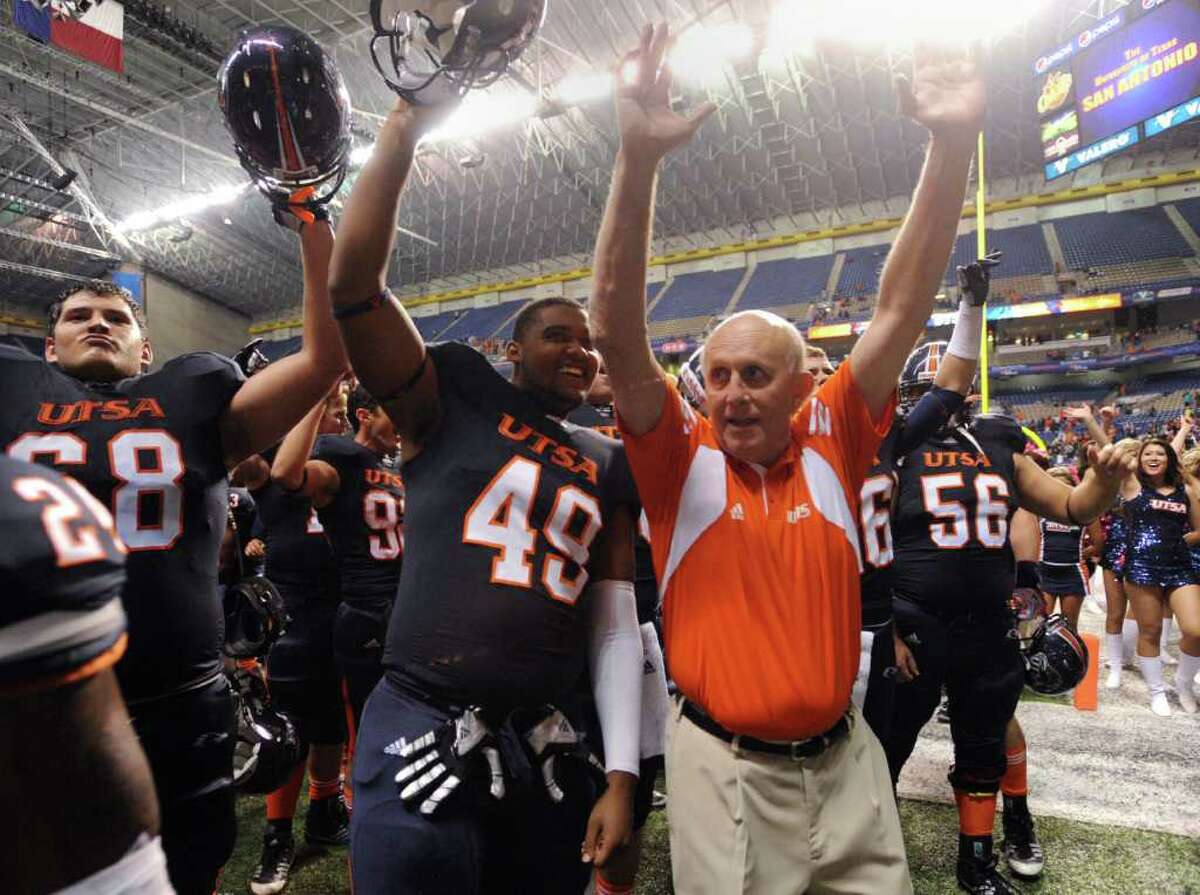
(431, 327)
(479, 323)
(1103, 240)
(695, 294)
(1024, 248)
(860, 272)
(788, 282)
(1189, 209)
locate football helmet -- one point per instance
(1056, 658)
(255, 617)
(288, 112)
(920, 370)
(431, 51)
(691, 381)
(268, 747)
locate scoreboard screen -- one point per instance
(1118, 83)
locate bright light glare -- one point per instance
(360, 154)
(797, 23)
(144, 220)
(584, 87)
(487, 110)
(702, 52)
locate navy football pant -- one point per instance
(189, 740)
(358, 637)
(301, 671)
(473, 845)
(879, 703)
(981, 667)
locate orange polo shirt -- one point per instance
(759, 568)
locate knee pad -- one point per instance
(979, 764)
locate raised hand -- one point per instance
(1081, 413)
(946, 93)
(1111, 465)
(649, 127)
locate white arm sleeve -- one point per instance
(615, 661)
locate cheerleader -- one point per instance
(1061, 567)
(1162, 517)
(1112, 561)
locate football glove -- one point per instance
(251, 359)
(439, 761)
(553, 737)
(295, 210)
(975, 280)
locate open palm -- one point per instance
(947, 92)
(649, 127)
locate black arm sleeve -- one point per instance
(931, 413)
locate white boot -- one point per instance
(1186, 673)
(1129, 632)
(1152, 671)
(1167, 658)
(1113, 647)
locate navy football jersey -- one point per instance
(61, 573)
(503, 506)
(878, 494)
(148, 448)
(364, 522)
(645, 584)
(298, 553)
(957, 494)
(1062, 544)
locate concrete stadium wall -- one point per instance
(182, 321)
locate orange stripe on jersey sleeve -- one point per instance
(91, 668)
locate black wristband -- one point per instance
(1027, 575)
(408, 385)
(374, 303)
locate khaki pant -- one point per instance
(745, 822)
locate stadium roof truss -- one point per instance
(807, 139)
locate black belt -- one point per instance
(795, 750)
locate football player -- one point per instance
(596, 413)
(519, 555)
(953, 579)
(301, 669)
(80, 795)
(156, 448)
(360, 504)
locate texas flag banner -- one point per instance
(95, 34)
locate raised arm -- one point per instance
(947, 96)
(1083, 414)
(649, 131)
(385, 349)
(295, 472)
(1179, 442)
(271, 401)
(1045, 496)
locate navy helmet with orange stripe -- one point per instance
(288, 112)
(920, 370)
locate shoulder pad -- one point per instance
(456, 361)
(1000, 428)
(204, 363)
(9, 352)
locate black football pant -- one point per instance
(981, 668)
(358, 637)
(473, 844)
(189, 739)
(880, 701)
(302, 672)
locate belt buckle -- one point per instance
(802, 749)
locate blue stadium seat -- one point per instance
(1190, 209)
(787, 282)
(698, 294)
(479, 323)
(860, 272)
(1024, 248)
(431, 327)
(1103, 240)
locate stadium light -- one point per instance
(483, 112)
(700, 54)
(797, 23)
(144, 220)
(584, 87)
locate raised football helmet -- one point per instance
(255, 617)
(1056, 658)
(691, 381)
(288, 112)
(268, 747)
(430, 51)
(919, 372)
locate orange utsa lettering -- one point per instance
(506, 429)
(382, 477)
(588, 467)
(560, 455)
(147, 407)
(564, 456)
(85, 411)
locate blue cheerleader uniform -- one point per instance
(1156, 554)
